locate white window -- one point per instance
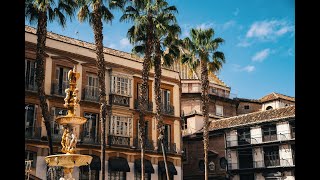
(57, 129)
(120, 126)
(92, 87)
(61, 80)
(219, 110)
(165, 98)
(30, 119)
(30, 74)
(90, 128)
(121, 85)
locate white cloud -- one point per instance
(124, 42)
(228, 24)
(113, 46)
(244, 43)
(236, 12)
(269, 30)
(261, 55)
(249, 68)
(205, 26)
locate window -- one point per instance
(121, 85)
(214, 90)
(57, 129)
(90, 128)
(269, 108)
(219, 110)
(165, 99)
(271, 156)
(293, 129)
(120, 126)
(30, 119)
(30, 74)
(246, 107)
(244, 136)
(269, 133)
(117, 175)
(139, 91)
(137, 176)
(92, 88)
(185, 123)
(29, 155)
(293, 151)
(61, 80)
(167, 136)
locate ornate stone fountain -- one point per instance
(69, 160)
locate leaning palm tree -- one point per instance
(96, 11)
(39, 12)
(202, 50)
(141, 36)
(165, 33)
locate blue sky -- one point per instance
(259, 40)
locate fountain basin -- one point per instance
(74, 120)
(68, 160)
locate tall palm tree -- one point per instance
(96, 11)
(40, 12)
(165, 33)
(141, 36)
(202, 50)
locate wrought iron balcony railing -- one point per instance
(233, 141)
(85, 139)
(32, 132)
(116, 99)
(148, 106)
(31, 86)
(91, 94)
(289, 162)
(59, 89)
(118, 141)
(148, 144)
(167, 109)
(169, 147)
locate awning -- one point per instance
(94, 165)
(118, 164)
(171, 168)
(147, 165)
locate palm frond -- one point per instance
(106, 14)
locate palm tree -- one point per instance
(141, 35)
(95, 11)
(39, 12)
(202, 50)
(166, 31)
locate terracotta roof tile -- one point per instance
(273, 96)
(252, 118)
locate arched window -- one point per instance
(269, 108)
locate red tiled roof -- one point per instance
(253, 118)
(273, 96)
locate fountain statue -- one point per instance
(70, 159)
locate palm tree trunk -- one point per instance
(205, 100)
(144, 89)
(98, 37)
(157, 90)
(40, 57)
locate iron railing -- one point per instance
(30, 86)
(169, 147)
(59, 89)
(233, 140)
(88, 140)
(119, 100)
(289, 162)
(32, 132)
(148, 144)
(148, 106)
(167, 109)
(118, 141)
(91, 93)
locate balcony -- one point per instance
(32, 132)
(167, 109)
(118, 141)
(86, 139)
(148, 144)
(263, 164)
(280, 137)
(31, 86)
(91, 94)
(59, 89)
(169, 147)
(119, 100)
(148, 106)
